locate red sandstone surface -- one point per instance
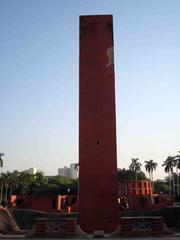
(98, 185)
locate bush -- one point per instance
(4, 203)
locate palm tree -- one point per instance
(2, 185)
(1, 165)
(168, 165)
(150, 166)
(13, 180)
(177, 165)
(1, 161)
(7, 182)
(135, 166)
(167, 170)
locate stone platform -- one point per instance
(55, 227)
(20, 237)
(128, 227)
(143, 226)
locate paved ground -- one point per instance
(20, 237)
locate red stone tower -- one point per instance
(97, 127)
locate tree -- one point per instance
(2, 182)
(3, 179)
(4, 186)
(177, 165)
(135, 166)
(127, 174)
(39, 178)
(161, 186)
(150, 166)
(37, 183)
(168, 165)
(1, 161)
(1, 190)
(24, 181)
(13, 180)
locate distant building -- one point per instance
(64, 172)
(73, 171)
(70, 172)
(33, 170)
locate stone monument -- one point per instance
(98, 186)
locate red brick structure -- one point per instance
(55, 227)
(143, 226)
(135, 195)
(45, 203)
(22, 202)
(128, 188)
(98, 189)
(139, 196)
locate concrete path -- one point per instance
(20, 237)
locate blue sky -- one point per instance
(39, 64)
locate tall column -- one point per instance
(98, 185)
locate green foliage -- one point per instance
(142, 176)
(4, 203)
(23, 183)
(135, 165)
(161, 186)
(150, 166)
(63, 184)
(127, 174)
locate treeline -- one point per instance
(23, 183)
(160, 186)
(171, 167)
(128, 174)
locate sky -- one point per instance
(39, 80)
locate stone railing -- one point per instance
(58, 227)
(143, 226)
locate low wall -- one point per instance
(55, 227)
(143, 226)
(26, 218)
(171, 216)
